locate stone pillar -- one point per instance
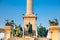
(54, 32)
(29, 7)
(7, 32)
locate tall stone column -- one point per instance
(29, 7)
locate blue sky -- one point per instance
(45, 10)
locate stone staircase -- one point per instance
(27, 38)
(21, 39)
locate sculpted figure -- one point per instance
(29, 26)
(17, 32)
(52, 23)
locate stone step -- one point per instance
(21, 39)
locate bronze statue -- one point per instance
(17, 32)
(9, 23)
(29, 26)
(53, 23)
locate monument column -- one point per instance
(29, 17)
(29, 7)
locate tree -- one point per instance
(42, 31)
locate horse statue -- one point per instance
(53, 23)
(17, 32)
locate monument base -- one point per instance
(27, 38)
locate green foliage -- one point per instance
(17, 31)
(42, 31)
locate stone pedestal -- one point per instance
(54, 32)
(32, 20)
(7, 32)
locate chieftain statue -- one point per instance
(53, 23)
(17, 32)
